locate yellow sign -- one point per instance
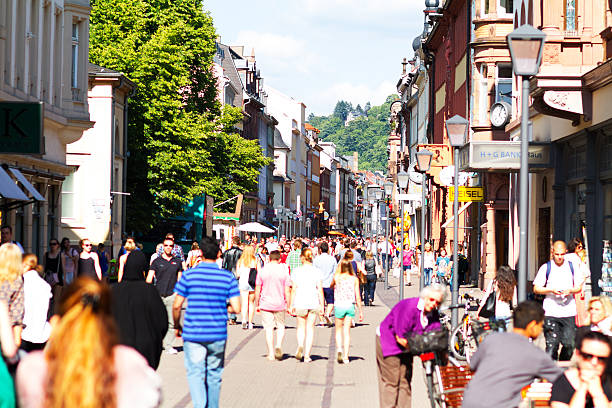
(467, 194)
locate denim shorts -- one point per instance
(342, 312)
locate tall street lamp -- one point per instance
(526, 45)
(388, 187)
(456, 129)
(402, 182)
(423, 158)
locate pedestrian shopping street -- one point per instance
(251, 380)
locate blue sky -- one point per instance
(321, 51)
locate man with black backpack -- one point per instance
(559, 280)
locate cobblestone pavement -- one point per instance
(249, 380)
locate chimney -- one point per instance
(355, 162)
(404, 63)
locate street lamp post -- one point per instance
(526, 44)
(388, 187)
(456, 129)
(378, 193)
(423, 158)
(402, 182)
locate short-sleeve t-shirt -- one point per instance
(273, 279)
(207, 289)
(442, 263)
(560, 278)
(166, 273)
(563, 391)
(305, 279)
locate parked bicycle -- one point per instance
(470, 332)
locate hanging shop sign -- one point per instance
(21, 127)
(466, 194)
(502, 156)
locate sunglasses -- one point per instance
(589, 357)
(54, 243)
(172, 245)
(87, 245)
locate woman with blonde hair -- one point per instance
(306, 302)
(37, 293)
(599, 315)
(245, 264)
(11, 286)
(346, 295)
(83, 365)
(129, 246)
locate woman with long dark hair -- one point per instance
(504, 286)
(83, 365)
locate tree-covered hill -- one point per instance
(367, 134)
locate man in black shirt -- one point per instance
(167, 270)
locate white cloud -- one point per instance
(354, 93)
(277, 53)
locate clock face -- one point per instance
(499, 114)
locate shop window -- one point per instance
(503, 83)
(606, 153)
(36, 228)
(18, 233)
(52, 213)
(607, 211)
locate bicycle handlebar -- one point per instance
(457, 306)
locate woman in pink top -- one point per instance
(83, 365)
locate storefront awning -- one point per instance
(27, 185)
(8, 188)
(502, 156)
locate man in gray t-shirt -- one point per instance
(506, 362)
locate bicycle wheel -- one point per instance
(458, 343)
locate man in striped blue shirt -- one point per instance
(208, 289)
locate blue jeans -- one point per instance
(427, 275)
(370, 289)
(204, 364)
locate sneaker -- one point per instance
(299, 353)
(345, 360)
(340, 357)
(307, 359)
(250, 326)
(171, 350)
(278, 353)
(244, 325)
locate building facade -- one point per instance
(43, 54)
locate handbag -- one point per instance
(434, 340)
(488, 309)
(252, 277)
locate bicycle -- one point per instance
(432, 349)
(469, 333)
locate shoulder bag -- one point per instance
(252, 277)
(488, 308)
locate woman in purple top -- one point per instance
(394, 361)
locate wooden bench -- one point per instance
(454, 380)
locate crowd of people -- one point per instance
(71, 340)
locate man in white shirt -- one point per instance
(327, 265)
(559, 280)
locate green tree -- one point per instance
(181, 142)
(366, 135)
(342, 109)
